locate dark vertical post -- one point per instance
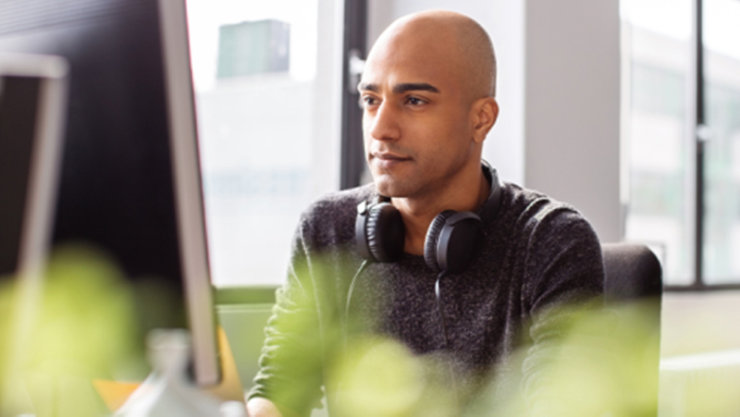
(700, 143)
(355, 41)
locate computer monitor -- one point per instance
(122, 181)
(32, 105)
(188, 181)
(32, 99)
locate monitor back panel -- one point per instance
(18, 112)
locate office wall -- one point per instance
(558, 88)
(572, 106)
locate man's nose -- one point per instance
(384, 124)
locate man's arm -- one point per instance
(566, 274)
(289, 379)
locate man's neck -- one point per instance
(418, 212)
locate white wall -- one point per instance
(327, 109)
(572, 107)
(558, 88)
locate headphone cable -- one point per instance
(447, 344)
(438, 297)
(351, 289)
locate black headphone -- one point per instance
(451, 240)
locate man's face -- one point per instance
(416, 120)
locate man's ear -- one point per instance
(485, 113)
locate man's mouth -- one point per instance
(387, 161)
(389, 157)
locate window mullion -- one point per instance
(699, 122)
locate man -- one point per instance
(427, 91)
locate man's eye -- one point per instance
(415, 101)
(367, 101)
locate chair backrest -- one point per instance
(632, 272)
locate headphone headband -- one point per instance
(492, 204)
(451, 239)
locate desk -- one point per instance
(703, 384)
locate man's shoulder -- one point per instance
(559, 248)
(330, 219)
(338, 204)
(531, 209)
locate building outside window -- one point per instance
(267, 105)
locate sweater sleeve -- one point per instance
(565, 273)
(290, 366)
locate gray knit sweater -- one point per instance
(536, 252)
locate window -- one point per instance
(682, 135)
(721, 32)
(268, 111)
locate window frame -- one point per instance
(352, 163)
(699, 126)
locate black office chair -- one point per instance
(633, 272)
(634, 278)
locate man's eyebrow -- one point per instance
(367, 87)
(399, 88)
(404, 87)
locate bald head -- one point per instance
(444, 38)
(427, 97)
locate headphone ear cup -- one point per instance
(451, 241)
(380, 233)
(432, 237)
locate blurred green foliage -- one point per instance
(603, 365)
(87, 325)
(378, 377)
(82, 326)
(602, 361)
